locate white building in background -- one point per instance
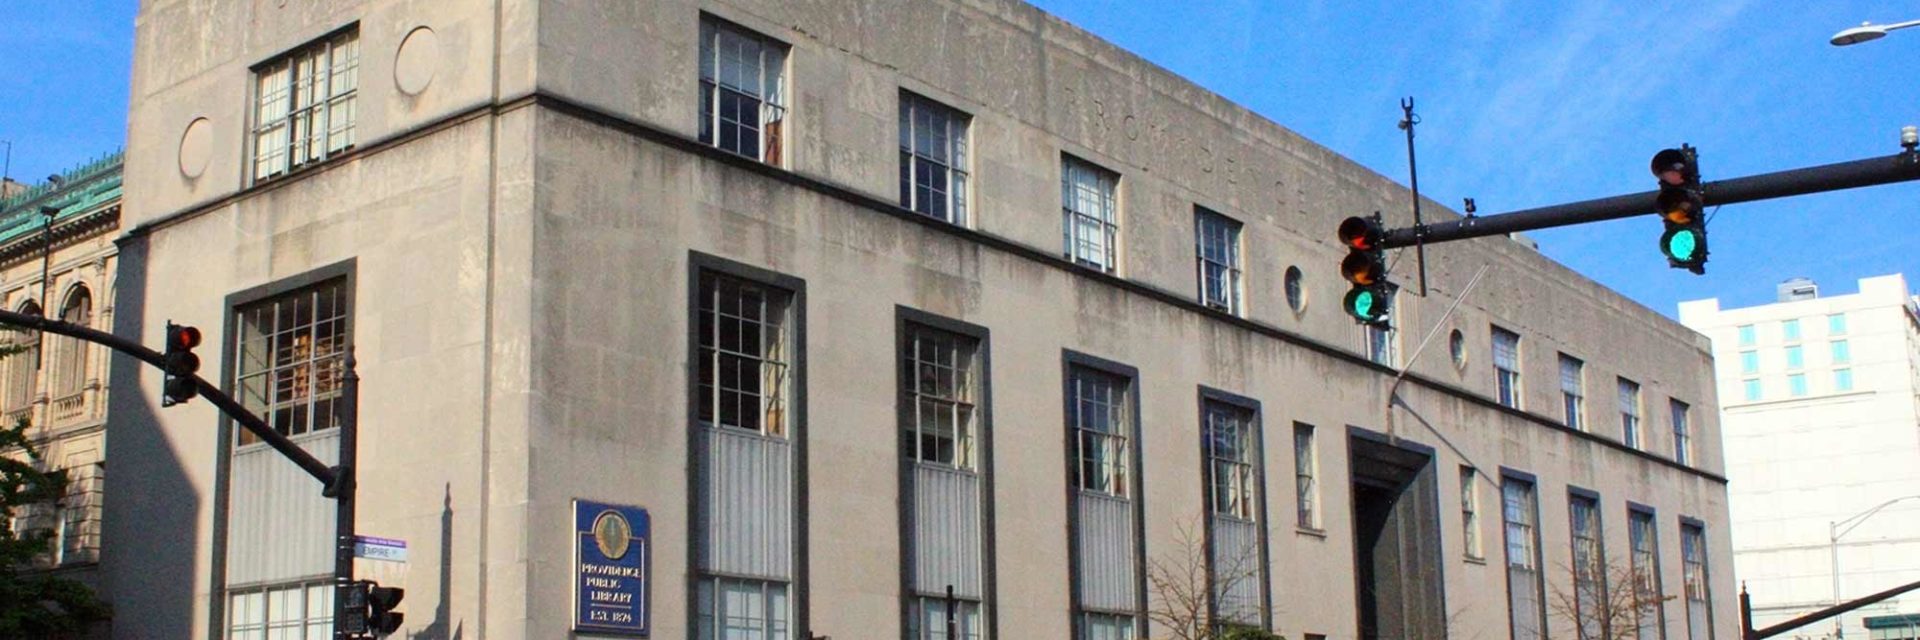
(1820, 402)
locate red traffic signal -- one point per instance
(177, 386)
(1361, 233)
(182, 337)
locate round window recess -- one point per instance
(1296, 294)
(1457, 347)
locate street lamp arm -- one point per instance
(1835, 530)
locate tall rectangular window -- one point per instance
(1589, 567)
(1796, 358)
(1218, 252)
(1306, 467)
(748, 535)
(1630, 413)
(1790, 330)
(1749, 362)
(1232, 460)
(1573, 396)
(1751, 389)
(1693, 552)
(1842, 352)
(1837, 324)
(304, 104)
(1648, 612)
(1090, 207)
(1525, 590)
(1682, 432)
(292, 350)
(1748, 337)
(1842, 380)
(944, 436)
(1101, 431)
(1470, 512)
(742, 91)
(1107, 558)
(940, 397)
(1235, 548)
(1797, 384)
(933, 159)
(1506, 366)
(744, 360)
(740, 608)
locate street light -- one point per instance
(1868, 31)
(1837, 529)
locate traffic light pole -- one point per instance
(1899, 167)
(336, 482)
(1750, 633)
(343, 528)
(329, 477)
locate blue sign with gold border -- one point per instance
(610, 568)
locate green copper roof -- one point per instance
(81, 191)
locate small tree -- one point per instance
(1183, 591)
(1612, 609)
(34, 602)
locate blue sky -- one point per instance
(64, 70)
(1526, 104)
(1523, 104)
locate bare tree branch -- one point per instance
(1184, 591)
(1613, 609)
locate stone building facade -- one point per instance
(860, 300)
(58, 384)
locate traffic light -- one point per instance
(177, 385)
(369, 610)
(1365, 267)
(1682, 206)
(381, 618)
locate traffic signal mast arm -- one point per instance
(329, 477)
(1900, 167)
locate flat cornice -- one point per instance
(674, 140)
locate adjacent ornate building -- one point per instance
(58, 384)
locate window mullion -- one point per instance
(323, 99)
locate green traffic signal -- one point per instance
(1364, 304)
(1681, 204)
(1366, 267)
(1681, 245)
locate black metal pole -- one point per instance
(346, 488)
(47, 213)
(327, 476)
(1900, 167)
(952, 622)
(1413, 178)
